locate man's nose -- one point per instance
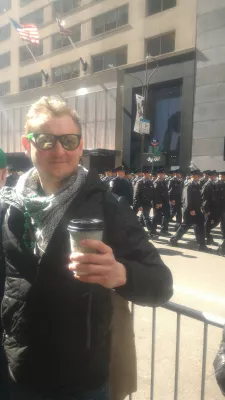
(58, 148)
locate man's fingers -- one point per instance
(96, 245)
(91, 258)
(97, 279)
(89, 269)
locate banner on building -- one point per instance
(140, 113)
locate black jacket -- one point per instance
(57, 330)
(143, 193)
(211, 197)
(161, 195)
(192, 197)
(175, 187)
(221, 189)
(122, 188)
(203, 181)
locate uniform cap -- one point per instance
(222, 173)
(3, 159)
(206, 172)
(107, 170)
(120, 168)
(195, 172)
(138, 171)
(212, 173)
(160, 171)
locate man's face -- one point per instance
(121, 174)
(108, 173)
(147, 175)
(213, 178)
(196, 177)
(161, 175)
(222, 178)
(56, 163)
(179, 176)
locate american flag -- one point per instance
(27, 32)
(62, 29)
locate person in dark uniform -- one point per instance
(175, 188)
(128, 175)
(193, 215)
(161, 204)
(121, 187)
(211, 205)
(221, 188)
(143, 199)
(138, 175)
(204, 179)
(108, 177)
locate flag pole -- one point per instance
(31, 53)
(72, 42)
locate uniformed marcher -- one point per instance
(175, 187)
(108, 177)
(138, 175)
(193, 215)
(205, 178)
(143, 198)
(121, 187)
(221, 188)
(211, 205)
(161, 204)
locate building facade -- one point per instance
(114, 38)
(209, 114)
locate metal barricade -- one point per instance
(180, 310)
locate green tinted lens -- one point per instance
(70, 142)
(45, 141)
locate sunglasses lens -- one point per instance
(44, 141)
(70, 142)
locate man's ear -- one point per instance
(26, 145)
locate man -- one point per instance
(128, 175)
(211, 205)
(160, 203)
(205, 178)
(57, 308)
(108, 177)
(138, 175)
(192, 207)
(175, 195)
(121, 187)
(143, 198)
(221, 188)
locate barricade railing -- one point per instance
(207, 319)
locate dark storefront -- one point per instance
(169, 107)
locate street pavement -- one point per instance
(199, 284)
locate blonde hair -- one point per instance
(47, 107)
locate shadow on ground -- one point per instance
(171, 252)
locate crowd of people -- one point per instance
(196, 200)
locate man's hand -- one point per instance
(140, 209)
(101, 268)
(173, 202)
(193, 213)
(158, 206)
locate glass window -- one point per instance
(4, 60)
(115, 57)
(65, 6)
(25, 2)
(66, 72)
(123, 15)
(31, 81)
(110, 20)
(5, 32)
(161, 44)
(4, 88)
(5, 5)
(37, 51)
(156, 6)
(167, 119)
(36, 17)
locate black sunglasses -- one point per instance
(46, 141)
